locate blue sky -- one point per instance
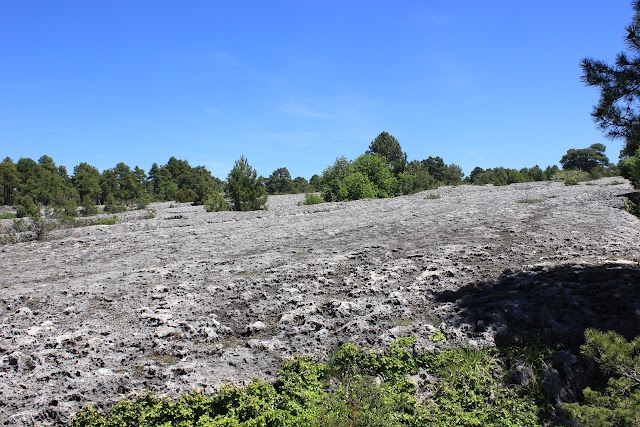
(300, 83)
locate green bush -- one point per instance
(185, 196)
(619, 403)
(88, 207)
(357, 387)
(469, 394)
(216, 203)
(27, 208)
(571, 176)
(312, 199)
(105, 221)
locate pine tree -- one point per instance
(244, 188)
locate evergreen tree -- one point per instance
(244, 188)
(585, 159)
(8, 180)
(617, 112)
(279, 182)
(86, 179)
(387, 146)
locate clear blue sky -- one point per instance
(299, 83)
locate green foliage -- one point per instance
(27, 208)
(105, 221)
(617, 110)
(585, 159)
(216, 203)
(356, 186)
(279, 182)
(437, 336)
(357, 387)
(244, 188)
(470, 395)
(388, 147)
(619, 403)
(378, 172)
(312, 199)
(9, 180)
(571, 176)
(7, 215)
(185, 195)
(630, 168)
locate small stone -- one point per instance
(166, 331)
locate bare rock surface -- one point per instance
(191, 299)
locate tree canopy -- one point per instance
(618, 110)
(585, 159)
(387, 146)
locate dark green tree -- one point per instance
(618, 110)
(244, 188)
(436, 167)
(29, 176)
(585, 159)
(387, 146)
(86, 179)
(475, 174)
(279, 182)
(300, 185)
(8, 180)
(316, 182)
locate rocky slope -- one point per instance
(194, 299)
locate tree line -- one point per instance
(382, 171)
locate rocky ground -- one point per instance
(190, 299)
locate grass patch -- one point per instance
(432, 196)
(104, 221)
(530, 201)
(7, 215)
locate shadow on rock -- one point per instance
(556, 304)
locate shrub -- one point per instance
(357, 186)
(619, 403)
(185, 196)
(216, 203)
(27, 207)
(88, 207)
(571, 176)
(312, 199)
(105, 221)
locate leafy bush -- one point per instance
(185, 196)
(312, 199)
(571, 176)
(27, 208)
(470, 395)
(7, 215)
(88, 207)
(357, 387)
(619, 403)
(216, 203)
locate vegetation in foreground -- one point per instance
(362, 388)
